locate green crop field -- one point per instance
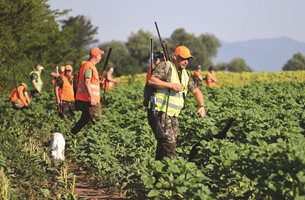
(263, 156)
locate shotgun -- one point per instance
(104, 73)
(148, 90)
(163, 44)
(167, 58)
(15, 83)
(151, 54)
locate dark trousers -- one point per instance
(89, 113)
(165, 130)
(33, 93)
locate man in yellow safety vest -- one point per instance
(172, 82)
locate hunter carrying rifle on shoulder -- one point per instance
(171, 82)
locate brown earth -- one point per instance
(87, 188)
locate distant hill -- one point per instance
(261, 54)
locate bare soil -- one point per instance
(87, 188)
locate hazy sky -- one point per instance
(228, 20)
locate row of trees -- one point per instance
(33, 33)
(297, 62)
(133, 56)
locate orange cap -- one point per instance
(69, 67)
(183, 52)
(96, 51)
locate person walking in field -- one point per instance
(198, 76)
(107, 80)
(35, 83)
(88, 90)
(211, 77)
(19, 97)
(172, 82)
(65, 93)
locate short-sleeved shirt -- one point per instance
(163, 72)
(59, 82)
(88, 74)
(34, 76)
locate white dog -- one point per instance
(57, 146)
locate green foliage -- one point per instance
(203, 48)
(297, 62)
(29, 31)
(262, 157)
(32, 35)
(78, 33)
(138, 45)
(24, 142)
(235, 65)
(175, 179)
(120, 59)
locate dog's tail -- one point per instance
(221, 135)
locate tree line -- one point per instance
(34, 33)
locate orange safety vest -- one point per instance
(67, 92)
(82, 93)
(211, 79)
(198, 74)
(18, 98)
(108, 85)
(53, 81)
(148, 74)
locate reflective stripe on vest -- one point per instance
(82, 93)
(39, 82)
(67, 93)
(176, 100)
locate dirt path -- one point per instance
(87, 188)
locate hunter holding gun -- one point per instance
(172, 82)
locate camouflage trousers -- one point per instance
(66, 108)
(165, 129)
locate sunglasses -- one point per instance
(179, 58)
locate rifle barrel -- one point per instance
(107, 59)
(162, 42)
